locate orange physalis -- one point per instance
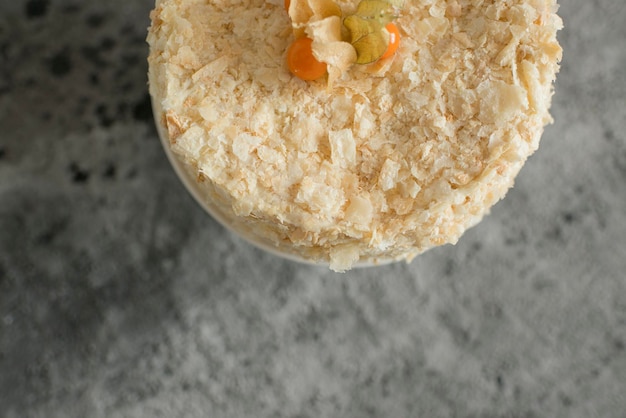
(301, 61)
(394, 40)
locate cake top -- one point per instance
(395, 156)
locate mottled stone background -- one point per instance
(119, 297)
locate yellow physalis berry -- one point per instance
(301, 61)
(394, 40)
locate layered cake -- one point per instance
(384, 152)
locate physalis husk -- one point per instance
(367, 30)
(302, 12)
(379, 10)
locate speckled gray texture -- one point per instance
(119, 297)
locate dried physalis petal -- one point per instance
(324, 8)
(368, 49)
(367, 37)
(329, 48)
(359, 27)
(379, 10)
(325, 30)
(302, 12)
(339, 56)
(396, 3)
(299, 11)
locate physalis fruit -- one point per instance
(394, 40)
(367, 36)
(301, 61)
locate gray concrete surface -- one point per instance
(119, 297)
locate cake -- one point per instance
(370, 163)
